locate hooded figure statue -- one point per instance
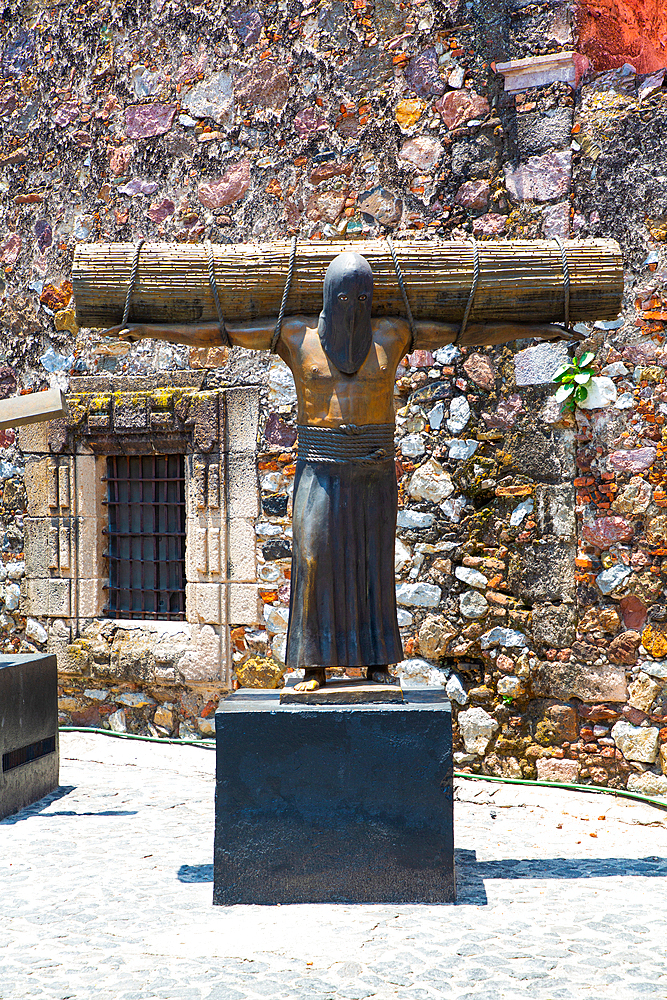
(345, 320)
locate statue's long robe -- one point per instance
(343, 599)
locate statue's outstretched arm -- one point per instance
(255, 335)
(431, 335)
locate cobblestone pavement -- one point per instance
(106, 887)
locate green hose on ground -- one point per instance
(210, 745)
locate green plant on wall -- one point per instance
(574, 380)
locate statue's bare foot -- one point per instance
(313, 681)
(380, 674)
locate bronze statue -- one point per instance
(343, 603)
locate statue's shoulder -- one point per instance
(389, 328)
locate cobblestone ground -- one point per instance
(106, 887)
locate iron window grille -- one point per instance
(146, 536)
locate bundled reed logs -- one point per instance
(520, 281)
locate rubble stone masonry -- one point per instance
(532, 544)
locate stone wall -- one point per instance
(531, 543)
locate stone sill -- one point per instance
(538, 71)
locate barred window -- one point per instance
(146, 536)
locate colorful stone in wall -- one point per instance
(633, 460)
(143, 121)
(605, 531)
(230, 188)
(460, 106)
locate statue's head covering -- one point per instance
(345, 320)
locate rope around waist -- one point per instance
(349, 443)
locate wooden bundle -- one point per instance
(520, 281)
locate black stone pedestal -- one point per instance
(28, 730)
(343, 803)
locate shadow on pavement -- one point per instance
(37, 807)
(470, 873)
(195, 873)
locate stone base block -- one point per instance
(338, 804)
(28, 730)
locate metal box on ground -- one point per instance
(28, 730)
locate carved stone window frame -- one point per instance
(216, 431)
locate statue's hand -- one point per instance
(130, 333)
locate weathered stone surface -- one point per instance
(505, 413)
(599, 621)
(489, 224)
(544, 573)
(633, 460)
(633, 611)
(501, 636)
(601, 392)
(409, 111)
(119, 158)
(263, 86)
(556, 221)
(145, 120)
(459, 415)
(555, 769)
(511, 687)
(460, 106)
(212, 98)
(416, 672)
(455, 691)
(422, 152)
(381, 204)
(613, 579)
(634, 498)
(643, 692)
(232, 185)
(418, 595)
(325, 206)
(435, 634)
(586, 681)
(202, 661)
(422, 76)
(325, 171)
(536, 365)
(471, 576)
(648, 784)
(431, 482)
(308, 122)
(656, 530)
(473, 195)
(477, 729)
(554, 625)
(623, 649)
(480, 370)
(473, 604)
(159, 212)
(260, 672)
(636, 742)
(654, 641)
(540, 178)
(540, 131)
(414, 519)
(605, 531)
(413, 445)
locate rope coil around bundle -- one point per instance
(473, 289)
(224, 336)
(288, 284)
(566, 283)
(401, 285)
(133, 279)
